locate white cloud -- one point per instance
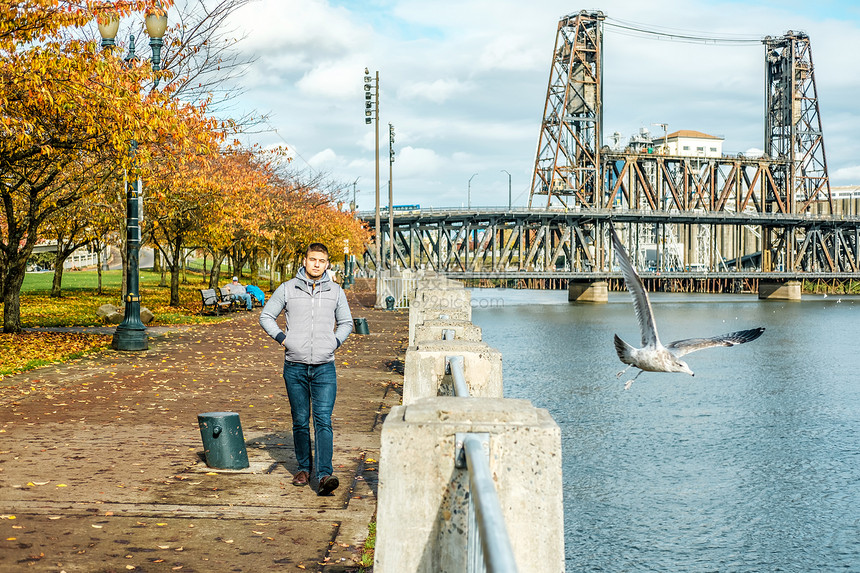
(437, 91)
(418, 162)
(512, 53)
(280, 27)
(845, 175)
(464, 83)
(338, 80)
(323, 160)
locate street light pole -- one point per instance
(390, 197)
(469, 192)
(354, 203)
(130, 334)
(371, 110)
(509, 188)
(665, 127)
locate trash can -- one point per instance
(360, 326)
(389, 302)
(223, 442)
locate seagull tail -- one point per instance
(624, 351)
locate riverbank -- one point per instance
(101, 469)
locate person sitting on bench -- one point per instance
(238, 292)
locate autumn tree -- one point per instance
(238, 176)
(180, 195)
(102, 232)
(295, 210)
(67, 112)
(200, 53)
(67, 228)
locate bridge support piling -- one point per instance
(779, 290)
(587, 291)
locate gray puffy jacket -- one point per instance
(317, 318)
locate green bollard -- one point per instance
(223, 442)
(360, 326)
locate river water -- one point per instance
(752, 465)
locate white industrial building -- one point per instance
(689, 143)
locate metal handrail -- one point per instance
(496, 553)
(457, 365)
(495, 542)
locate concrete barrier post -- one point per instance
(455, 304)
(422, 523)
(431, 330)
(424, 370)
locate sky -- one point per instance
(464, 84)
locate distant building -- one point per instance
(689, 143)
(83, 257)
(845, 192)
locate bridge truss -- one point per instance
(529, 243)
(682, 215)
(574, 168)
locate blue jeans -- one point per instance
(312, 388)
(246, 298)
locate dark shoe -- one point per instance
(301, 478)
(327, 485)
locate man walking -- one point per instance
(318, 320)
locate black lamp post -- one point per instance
(131, 333)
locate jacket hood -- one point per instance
(302, 276)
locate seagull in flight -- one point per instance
(653, 356)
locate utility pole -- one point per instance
(371, 111)
(509, 188)
(354, 203)
(390, 197)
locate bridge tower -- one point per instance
(793, 137)
(567, 165)
(793, 131)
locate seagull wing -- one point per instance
(640, 297)
(686, 346)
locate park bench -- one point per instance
(212, 299)
(228, 298)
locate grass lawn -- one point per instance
(77, 307)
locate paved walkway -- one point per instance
(101, 469)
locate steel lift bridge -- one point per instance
(723, 222)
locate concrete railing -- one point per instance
(458, 459)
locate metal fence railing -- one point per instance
(400, 288)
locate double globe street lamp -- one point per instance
(131, 333)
